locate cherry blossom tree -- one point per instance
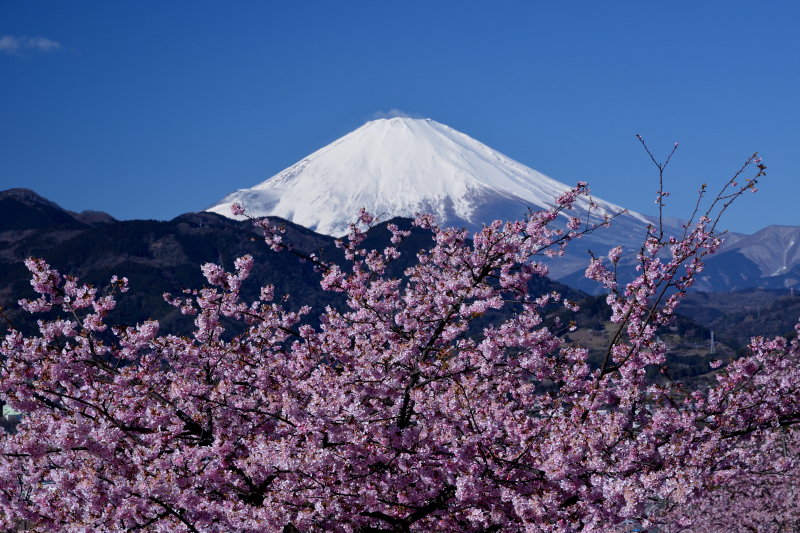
(755, 486)
(397, 413)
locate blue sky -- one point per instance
(152, 109)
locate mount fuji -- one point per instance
(401, 166)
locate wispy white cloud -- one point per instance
(16, 45)
(395, 113)
(9, 44)
(43, 44)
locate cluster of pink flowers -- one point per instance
(395, 414)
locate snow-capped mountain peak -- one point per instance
(397, 167)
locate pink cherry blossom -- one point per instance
(399, 412)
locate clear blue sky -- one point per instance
(152, 109)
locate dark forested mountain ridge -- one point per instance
(166, 256)
(156, 256)
(22, 209)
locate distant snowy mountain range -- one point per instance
(401, 166)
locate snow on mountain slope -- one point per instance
(775, 249)
(400, 166)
